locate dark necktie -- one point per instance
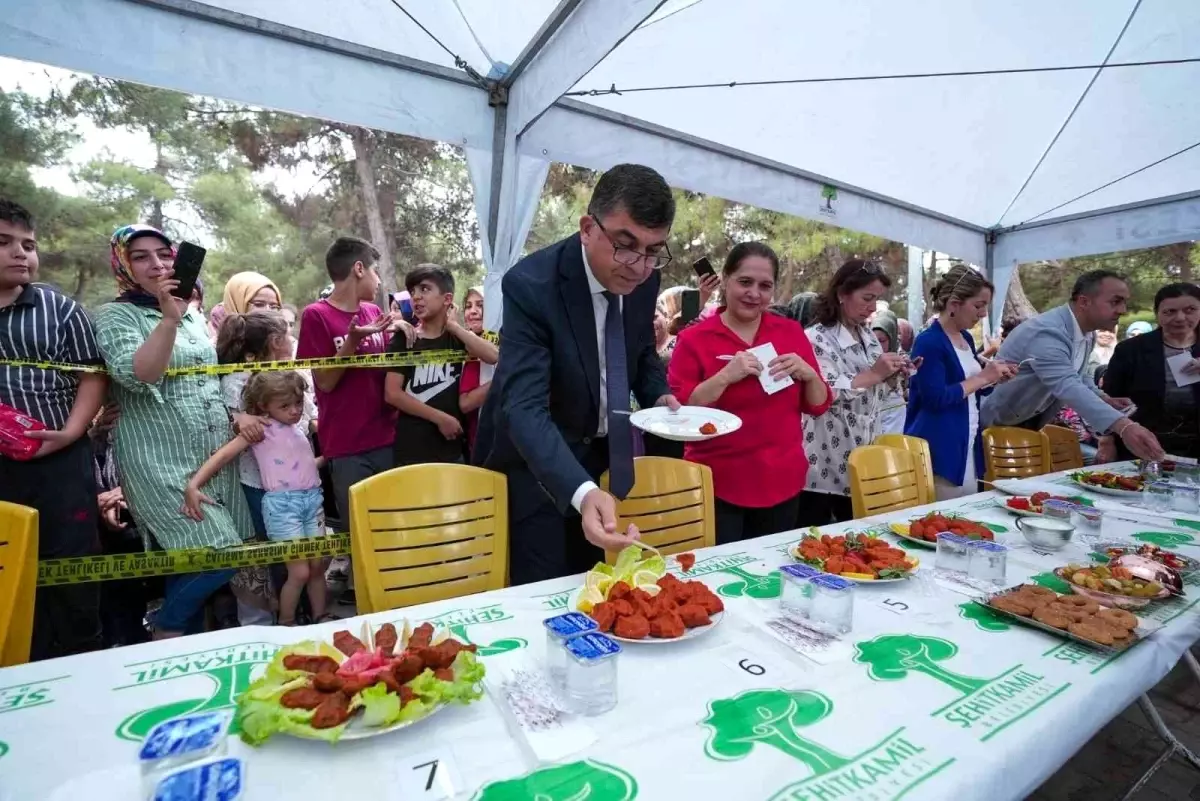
(620, 436)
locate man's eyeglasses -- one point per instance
(629, 257)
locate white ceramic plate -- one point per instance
(794, 552)
(684, 425)
(357, 730)
(1117, 493)
(688, 634)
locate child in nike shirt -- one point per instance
(429, 426)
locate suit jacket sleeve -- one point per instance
(525, 395)
(1055, 368)
(650, 383)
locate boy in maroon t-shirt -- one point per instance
(357, 427)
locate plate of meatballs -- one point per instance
(359, 686)
(679, 610)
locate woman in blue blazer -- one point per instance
(943, 404)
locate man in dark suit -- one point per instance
(578, 336)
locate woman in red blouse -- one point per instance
(759, 470)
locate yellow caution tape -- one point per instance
(407, 359)
(112, 567)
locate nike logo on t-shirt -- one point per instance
(430, 392)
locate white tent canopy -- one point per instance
(993, 167)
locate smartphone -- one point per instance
(188, 260)
(690, 305)
(703, 268)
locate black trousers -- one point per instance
(822, 509)
(543, 542)
(62, 487)
(737, 523)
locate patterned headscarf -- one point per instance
(122, 271)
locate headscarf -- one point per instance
(799, 308)
(1137, 328)
(242, 287)
(885, 321)
(129, 289)
(216, 316)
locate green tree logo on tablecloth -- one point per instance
(770, 718)
(750, 585)
(457, 622)
(983, 618)
(1051, 582)
(3, 748)
(891, 657)
(1166, 539)
(587, 780)
(228, 672)
(493, 648)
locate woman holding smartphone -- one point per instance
(169, 424)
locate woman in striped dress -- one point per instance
(169, 425)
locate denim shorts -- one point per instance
(293, 514)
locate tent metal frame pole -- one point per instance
(498, 92)
(299, 36)
(1088, 215)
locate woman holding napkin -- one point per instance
(761, 368)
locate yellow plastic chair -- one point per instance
(882, 480)
(426, 533)
(18, 581)
(671, 503)
(920, 449)
(1063, 446)
(1010, 452)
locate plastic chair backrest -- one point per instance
(18, 581)
(920, 449)
(426, 533)
(1063, 447)
(671, 503)
(1010, 452)
(882, 480)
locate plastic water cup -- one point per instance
(987, 561)
(1185, 497)
(951, 553)
(1158, 497)
(1060, 510)
(1089, 523)
(796, 591)
(832, 606)
(1187, 473)
(590, 680)
(559, 629)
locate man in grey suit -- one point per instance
(1052, 350)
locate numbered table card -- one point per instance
(428, 775)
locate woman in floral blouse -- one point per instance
(856, 369)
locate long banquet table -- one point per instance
(926, 698)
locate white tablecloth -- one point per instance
(931, 702)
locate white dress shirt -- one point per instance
(1079, 344)
(600, 312)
